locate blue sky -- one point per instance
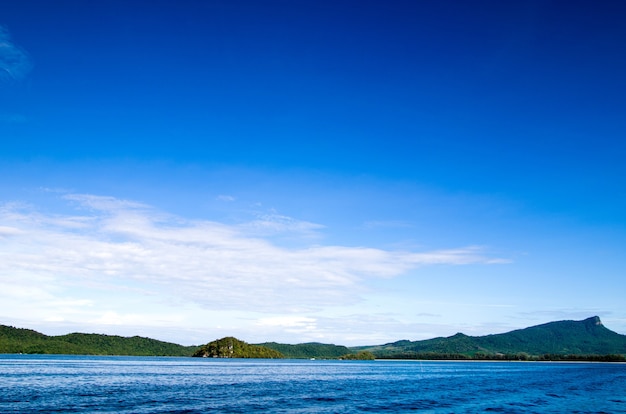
(346, 172)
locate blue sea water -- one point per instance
(82, 384)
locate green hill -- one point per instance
(16, 340)
(118, 345)
(555, 339)
(589, 336)
(309, 350)
(230, 347)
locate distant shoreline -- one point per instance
(284, 360)
(562, 341)
(502, 361)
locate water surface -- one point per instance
(84, 384)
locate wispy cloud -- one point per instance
(6, 231)
(355, 329)
(292, 324)
(14, 62)
(273, 223)
(561, 314)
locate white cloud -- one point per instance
(118, 251)
(6, 231)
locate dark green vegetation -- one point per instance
(360, 356)
(318, 351)
(309, 350)
(230, 347)
(564, 340)
(586, 340)
(26, 341)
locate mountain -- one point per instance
(17, 340)
(586, 337)
(230, 347)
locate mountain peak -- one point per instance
(595, 320)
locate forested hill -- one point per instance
(17, 340)
(230, 347)
(309, 350)
(572, 338)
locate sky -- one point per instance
(348, 172)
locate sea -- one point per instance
(110, 384)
